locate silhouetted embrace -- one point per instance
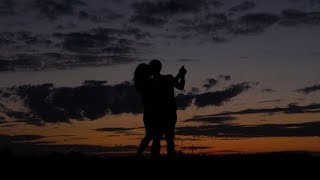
(157, 93)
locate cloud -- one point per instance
(5, 65)
(187, 60)
(6, 39)
(253, 23)
(95, 99)
(53, 9)
(308, 129)
(5, 139)
(148, 20)
(2, 107)
(7, 7)
(157, 13)
(271, 101)
(29, 38)
(7, 125)
(117, 130)
(217, 98)
(105, 15)
(23, 138)
(98, 46)
(17, 41)
(293, 17)
(94, 42)
(27, 117)
(225, 77)
(220, 27)
(168, 7)
(89, 101)
(211, 119)
(43, 148)
(216, 4)
(94, 83)
(209, 83)
(45, 61)
(309, 89)
(194, 148)
(209, 23)
(290, 109)
(184, 101)
(135, 32)
(267, 90)
(194, 91)
(2, 120)
(66, 148)
(102, 40)
(243, 6)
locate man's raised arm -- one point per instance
(180, 79)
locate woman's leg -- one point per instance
(144, 143)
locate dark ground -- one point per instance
(184, 166)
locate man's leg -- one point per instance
(170, 142)
(170, 134)
(155, 149)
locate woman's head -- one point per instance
(141, 75)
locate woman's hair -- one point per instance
(141, 75)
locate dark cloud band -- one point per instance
(95, 99)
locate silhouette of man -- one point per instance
(164, 106)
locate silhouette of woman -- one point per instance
(142, 77)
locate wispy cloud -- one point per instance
(45, 61)
(7, 7)
(243, 6)
(225, 77)
(102, 40)
(217, 98)
(270, 101)
(116, 130)
(53, 9)
(266, 130)
(209, 83)
(211, 119)
(290, 109)
(44, 148)
(309, 89)
(157, 13)
(268, 90)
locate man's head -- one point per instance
(155, 66)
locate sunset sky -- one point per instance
(253, 81)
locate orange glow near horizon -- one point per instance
(85, 133)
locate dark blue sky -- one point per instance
(271, 42)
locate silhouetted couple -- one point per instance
(157, 93)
